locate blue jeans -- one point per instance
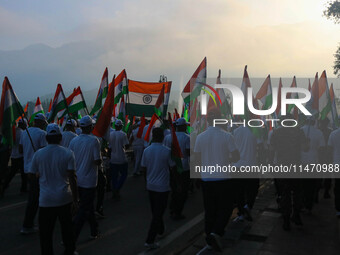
(118, 174)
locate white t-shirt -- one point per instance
(118, 139)
(215, 146)
(157, 160)
(246, 143)
(52, 163)
(316, 140)
(334, 141)
(15, 148)
(67, 137)
(184, 144)
(86, 150)
(137, 142)
(39, 141)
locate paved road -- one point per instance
(123, 230)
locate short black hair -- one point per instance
(158, 134)
(54, 139)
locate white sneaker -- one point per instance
(205, 248)
(214, 240)
(27, 231)
(151, 246)
(239, 219)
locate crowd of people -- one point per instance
(66, 172)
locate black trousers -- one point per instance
(32, 203)
(309, 187)
(218, 198)
(86, 211)
(158, 203)
(287, 203)
(47, 219)
(337, 194)
(17, 165)
(100, 189)
(180, 184)
(246, 190)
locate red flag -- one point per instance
(104, 118)
(141, 127)
(154, 118)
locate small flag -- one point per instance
(153, 120)
(37, 109)
(141, 127)
(159, 106)
(58, 104)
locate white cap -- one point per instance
(85, 121)
(118, 122)
(40, 116)
(53, 129)
(181, 122)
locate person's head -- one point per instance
(324, 123)
(86, 124)
(70, 125)
(157, 135)
(53, 134)
(22, 124)
(214, 113)
(118, 124)
(181, 125)
(40, 121)
(310, 121)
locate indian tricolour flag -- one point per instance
(120, 86)
(10, 110)
(75, 102)
(102, 93)
(37, 109)
(58, 104)
(193, 88)
(265, 94)
(334, 112)
(142, 97)
(325, 105)
(293, 95)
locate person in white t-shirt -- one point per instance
(69, 132)
(157, 164)
(17, 160)
(138, 147)
(86, 150)
(55, 167)
(334, 150)
(180, 182)
(214, 147)
(118, 162)
(311, 156)
(31, 141)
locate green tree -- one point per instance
(332, 12)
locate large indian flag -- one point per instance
(325, 105)
(265, 94)
(142, 97)
(120, 86)
(194, 85)
(102, 92)
(334, 113)
(59, 104)
(37, 109)
(10, 110)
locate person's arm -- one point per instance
(72, 178)
(126, 141)
(96, 153)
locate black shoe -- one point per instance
(297, 219)
(100, 213)
(326, 195)
(286, 224)
(178, 217)
(214, 241)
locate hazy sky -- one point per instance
(153, 37)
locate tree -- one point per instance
(332, 12)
